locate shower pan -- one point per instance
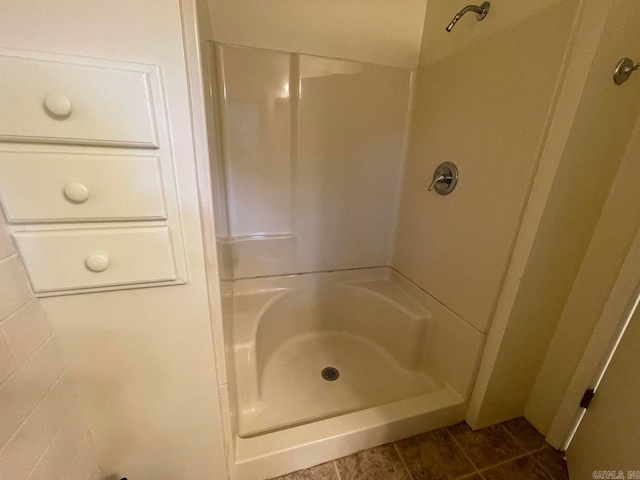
(329, 350)
(329, 363)
(371, 326)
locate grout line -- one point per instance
(3, 337)
(34, 410)
(503, 463)
(54, 436)
(11, 352)
(13, 374)
(15, 312)
(542, 467)
(518, 442)
(528, 452)
(5, 259)
(40, 347)
(75, 456)
(402, 460)
(546, 446)
(479, 471)
(335, 465)
(462, 450)
(55, 382)
(15, 432)
(40, 458)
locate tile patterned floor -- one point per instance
(508, 451)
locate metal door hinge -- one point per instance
(587, 397)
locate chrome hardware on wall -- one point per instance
(480, 11)
(445, 178)
(624, 69)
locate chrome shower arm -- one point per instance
(480, 11)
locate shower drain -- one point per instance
(330, 374)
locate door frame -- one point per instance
(620, 306)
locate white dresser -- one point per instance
(87, 175)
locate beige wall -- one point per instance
(42, 435)
(607, 438)
(141, 361)
(587, 140)
(439, 44)
(386, 32)
(485, 108)
(607, 250)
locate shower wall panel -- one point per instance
(312, 160)
(485, 106)
(255, 118)
(352, 128)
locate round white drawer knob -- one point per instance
(57, 104)
(76, 192)
(97, 263)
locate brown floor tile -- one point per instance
(434, 456)
(486, 447)
(523, 468)
(472, 477)
(525, 434)
(326, 471)
(553, 463)
(380, 463)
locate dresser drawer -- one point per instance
(53, 187)
(60, 102)
(59, 260)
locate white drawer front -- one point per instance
(56, 102)
(53, 187)
(80, 259)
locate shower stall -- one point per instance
(356, 300)
(322, 333)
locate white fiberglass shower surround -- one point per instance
(356, 303)
(329, 349)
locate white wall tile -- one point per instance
(43, 368)
(26, 330)
(84, 461)
(69, 438)
(36, 402)
(16, 403)
(48, 468)
(7, 363)
(14, 286)
(56, 405)
(6, 244)
(24, 449)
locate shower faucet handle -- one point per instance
(624, 69)
(445, 179)
(437, 180)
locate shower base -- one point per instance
(406, 365)
(294, 392)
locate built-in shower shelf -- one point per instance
(391, 292)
